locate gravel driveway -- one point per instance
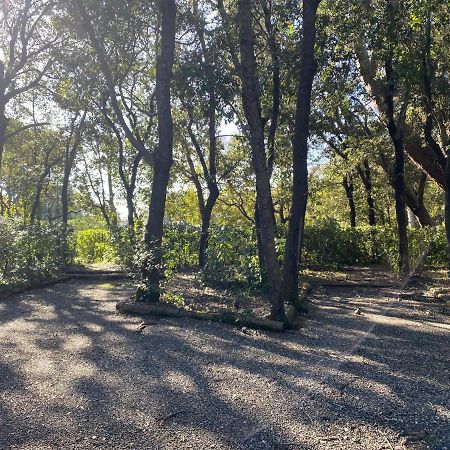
(75, 375)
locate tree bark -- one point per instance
(276, 87)
(399, 167)
(447, 203)
(210, 173)
(347, 182)
(413, 199)
(40, 185)
(259, 247)
(151, 268)
(3, 125)
(300, 154)
(421, 155)
(252, 109)
(366, 178)
(211, 178)
(441, 156)
(69, 160)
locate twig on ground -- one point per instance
(164, 419)
(387, 440)
(255, 433)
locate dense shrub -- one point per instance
(327, 244)
(232, 256)
(180, 245)
(29, 253)
(95, 245)
(33, 253)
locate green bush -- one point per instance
(327, 244)
(29, 253)
(232, 256)
(95, 245)
(180, 246)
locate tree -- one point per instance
(25, 57)
(308, 67)
(252, 109)
(163, 155)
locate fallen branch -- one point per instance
(166, 310)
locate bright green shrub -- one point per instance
(95, 245)
(180, 245)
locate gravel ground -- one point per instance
(75, 375)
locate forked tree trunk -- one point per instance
(152, 269)
(300, 154)
(252, 109)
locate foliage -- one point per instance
(94, 245)
(29, 253)
(327, 244)
(232, 256)
(180, 246)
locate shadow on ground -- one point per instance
(74, 375)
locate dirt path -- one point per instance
(75, 375)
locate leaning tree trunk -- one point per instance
(300, 154)
(151, 268)
(252, 109)
(399, 168)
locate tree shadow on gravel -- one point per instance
(186, 384)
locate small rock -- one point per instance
(247, 331)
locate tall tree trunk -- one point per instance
(300, 154)
(65, 208)
(3, 125)
(414, 200)
(259, 247)
(206, 222)
(111, 203)
(3, 119)
(210, 173)
(347, 182)
(252, 109)
(71, 150)
(37, 196)
(441, 156)
(447, 203)
(211, 177)
(365, 174)
(276, 86)
(151, 269)
(399, 167)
